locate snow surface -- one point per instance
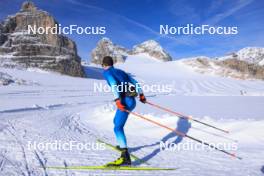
(65, 108)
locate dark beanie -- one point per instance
(108, 61)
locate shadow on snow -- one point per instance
(182, 125)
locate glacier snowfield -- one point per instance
(55, 107)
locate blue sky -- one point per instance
(129, 22)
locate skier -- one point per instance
(125, 89)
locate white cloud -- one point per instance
(220, 16)
(177, 40)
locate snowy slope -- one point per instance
(64, 108)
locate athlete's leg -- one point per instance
(130, 103)
(120, 120)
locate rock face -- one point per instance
(245, 68)
(233, 65)
(5, 79)
(152, 48)
(253, 55)
(105, 47)
(46, 51)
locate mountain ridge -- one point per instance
(105, 47)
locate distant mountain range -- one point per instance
(247, 63)
(105, 47)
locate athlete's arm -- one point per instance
(142, 97)
(136, 84)
(113, 84)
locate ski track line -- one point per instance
(252, 87)
(38, 157)
(2, 163)
(203, 88)
(48, 107)
(42, 161)
(217, 84)
(194, 86)
(15, 168)
(225, 85)
(186, 88)
(213, 87)
(26, 164)
(229, 85)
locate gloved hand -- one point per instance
(142, 98)
(119, 104)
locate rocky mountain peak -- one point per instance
(151, 44)
(28, 6)
(105, 40)
(106, 47)
(247, 63)
(46, 51)
(152, 48)
(252, 55)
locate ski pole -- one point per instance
(186, 117)
(182, 134)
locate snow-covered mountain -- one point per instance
(105, 47)
(244, 64)
(247, 63)
(67, 109)
(152, 48)
(253, 55)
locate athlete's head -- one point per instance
(107, 62)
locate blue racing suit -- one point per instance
(115, 77)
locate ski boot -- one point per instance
(118, 148)
(123, 160)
